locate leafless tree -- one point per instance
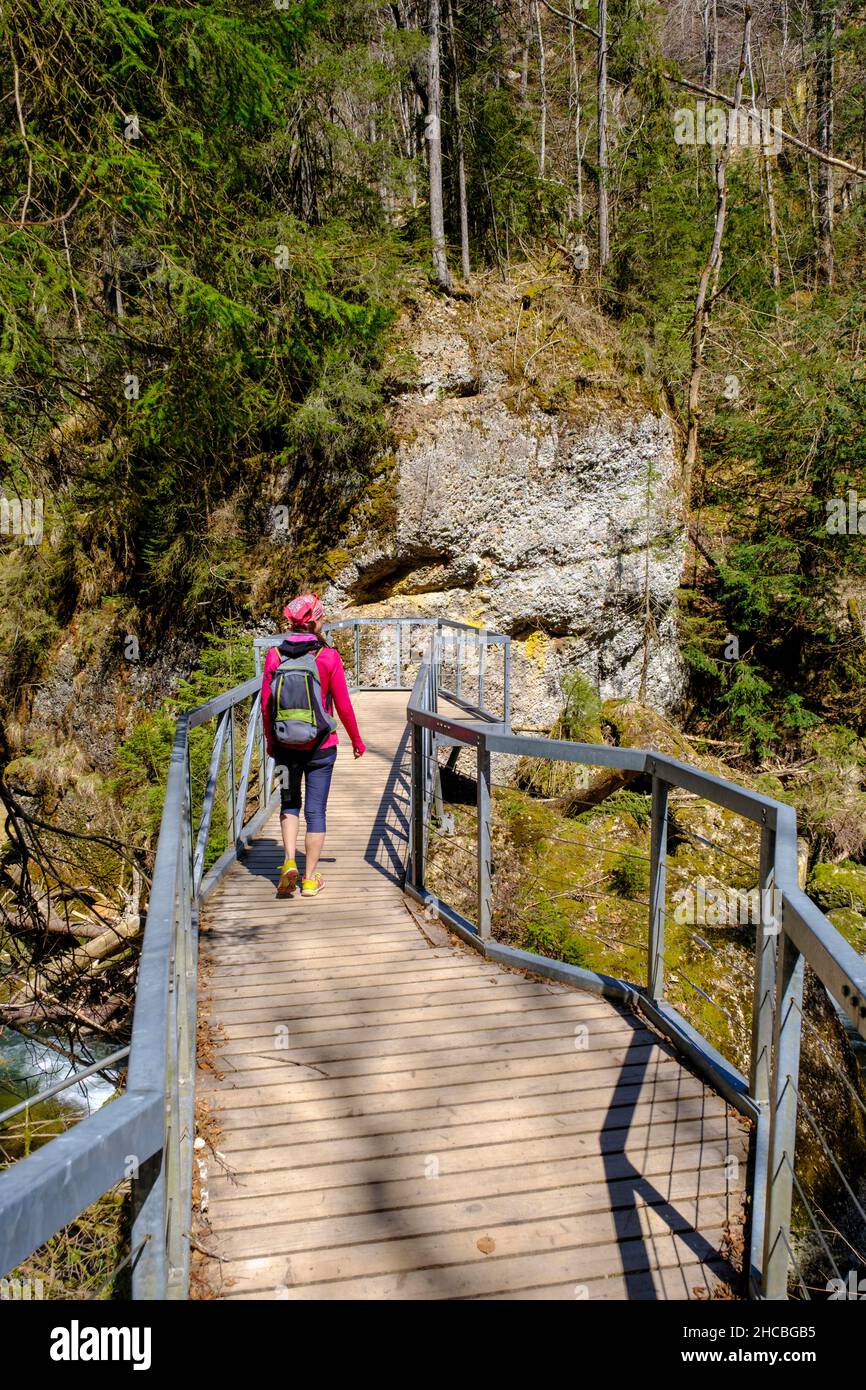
(603, 232)
(434, 148)
(461, 159)
(824, 31)
(709, 280)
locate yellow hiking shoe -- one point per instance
(288, 879)
(311, 887)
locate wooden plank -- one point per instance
(413, 1129)
(534, 1137)
(443, 1085)
(590, 1089)
(499, 1167)
(686, 1279)
(446, 983)
(572, 1215)
(405, 1023)
(266, 1124)
(441, 991)
(384, 1042)
(370, 1011)
(452, 1267)
(421, 1064)
(689, 1175)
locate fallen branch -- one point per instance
(605, 785)
(795, 140)
(81, 958)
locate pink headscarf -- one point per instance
(306, 608)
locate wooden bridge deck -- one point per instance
(401, 1120)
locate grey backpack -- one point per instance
(300, 721)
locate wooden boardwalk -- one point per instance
(403, 1120)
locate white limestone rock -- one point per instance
(569, 537)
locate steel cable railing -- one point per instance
(789, 930)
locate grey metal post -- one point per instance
(658, 878)
(418, 799)
(357, 656)
(783, 1116)
(506, 679)
(180, 1196)
(263, 747)
(189, 807)
(485, 891)
(766, 933)
(231, 782)
(149, 1264)
(765, 971)
(482, 657)
(458, 673)
(436, 653)
(438, 804)
(399, 652)
(435, 679)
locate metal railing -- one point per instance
(147, 1133)
(792, 932)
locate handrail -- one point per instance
(793, 931)
(147, 1133)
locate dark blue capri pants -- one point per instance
(316, 770)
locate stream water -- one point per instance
(28, 1066)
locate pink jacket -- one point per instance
(335, 692)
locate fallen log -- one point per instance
(61, 971)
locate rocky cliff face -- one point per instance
(564, 532)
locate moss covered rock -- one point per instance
(839, 886)
(852, 925)
(635, 725)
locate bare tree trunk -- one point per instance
(710, 23)
(525, 22)
(603, 233)
(710, 273)
(824, 26)
(461, 162)
(407, 121)
(709, 19)
(434, 150)
(768, 184)
(575, 87)
(542, 83)
(775, 269)
(767, 178)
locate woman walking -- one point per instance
(303, 683)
